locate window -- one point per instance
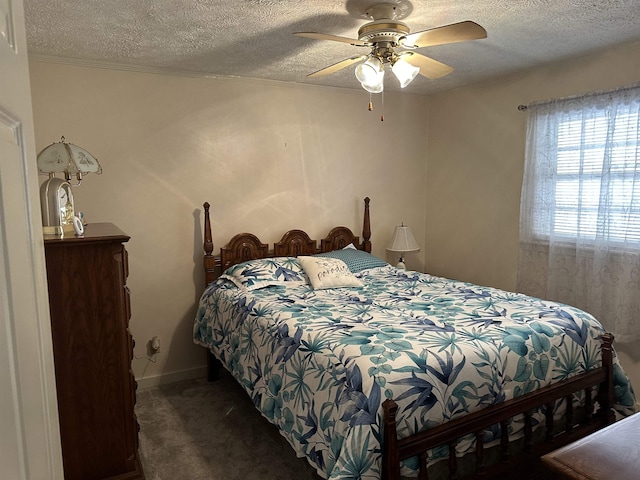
(581, 182)
(587, 171)
(580, 207)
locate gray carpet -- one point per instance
(198, 430)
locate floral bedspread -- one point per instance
(319, 363)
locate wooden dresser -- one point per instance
(90, 310)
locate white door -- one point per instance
(29, 429)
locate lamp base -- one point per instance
(57, 230)
(401, 265)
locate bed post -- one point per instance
(606, 393)
(209, 260)
(390, 453)
(366, 227)
(213, 372)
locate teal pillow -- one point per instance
(356, 260)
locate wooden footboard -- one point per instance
(395, 450)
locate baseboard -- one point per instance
(173, 377)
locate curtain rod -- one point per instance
(523, 108)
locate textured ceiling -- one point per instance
(253, 38)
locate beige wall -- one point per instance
(475, 163)
(268, 157)
(271, 156)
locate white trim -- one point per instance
(29, 425)
(173, 377)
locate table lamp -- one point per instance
(403, 242)
(56, 198)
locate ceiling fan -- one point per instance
(383, 36)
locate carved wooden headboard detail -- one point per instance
(247, 246)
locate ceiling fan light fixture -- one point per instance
(374, 87)
(404, 72)
(370, 71)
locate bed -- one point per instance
(374, 372)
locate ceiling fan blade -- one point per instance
(334, 38)
(337, 66)
(429, 67)
(456, 32)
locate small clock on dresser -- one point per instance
(93, 349)
(56, 203)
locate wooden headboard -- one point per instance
(247, 246)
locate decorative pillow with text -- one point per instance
(325, 272)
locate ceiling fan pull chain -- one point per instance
(370, 103)
(382, 114)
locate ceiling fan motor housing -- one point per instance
(383, 30)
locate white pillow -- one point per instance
(351, 246)
(325, 272)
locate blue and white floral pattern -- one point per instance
(266, 272)
(319, 363)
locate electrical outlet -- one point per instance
(153, 346)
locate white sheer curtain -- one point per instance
(580, 207)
